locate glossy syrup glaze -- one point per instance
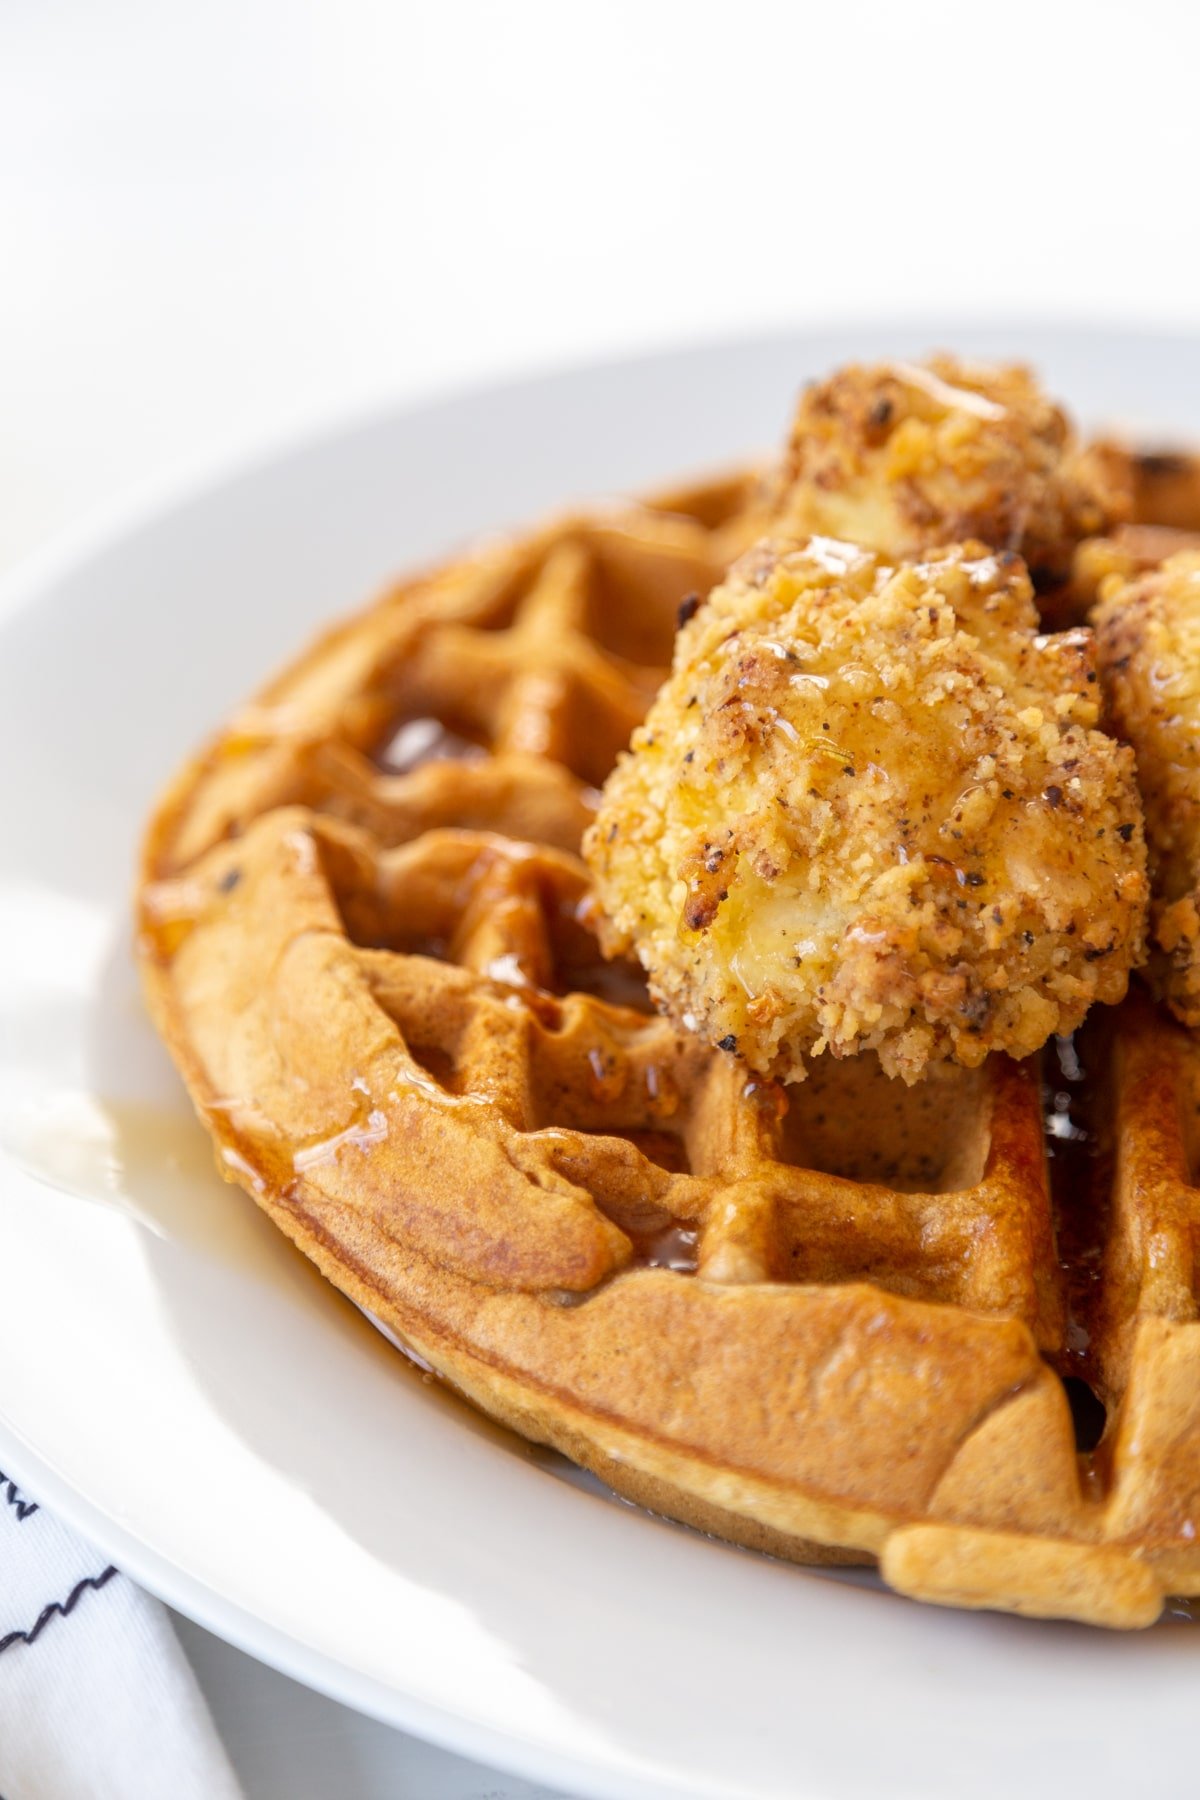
(1079, 1152)
(419, 741)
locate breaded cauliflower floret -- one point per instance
(1162, 485)
(1148, 632)
(1131, 550)
(870, 810)
(905, 456)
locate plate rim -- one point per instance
(457, 1733)
(149, 501)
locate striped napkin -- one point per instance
(97, 1701)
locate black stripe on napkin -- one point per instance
(60, 1607)
(22, 1508)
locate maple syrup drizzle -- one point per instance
(616, 983)
(674, 1245)
(367, 1127)
(1079, 1152)
(420, 741)
(659, 1239)
(1079, 1156)
(579, 966)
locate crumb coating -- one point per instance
(1148, 632)
(903, 457)
(870, 809)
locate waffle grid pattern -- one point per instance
(598, 1229)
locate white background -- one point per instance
(219, 220)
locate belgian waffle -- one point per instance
(846, 1324)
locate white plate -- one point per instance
(179, 1383)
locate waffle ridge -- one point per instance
(831, 1325)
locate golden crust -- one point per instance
(1148, 631)
(902, 457)
(870, 810)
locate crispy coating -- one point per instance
(870, 810)
(1131, 550)
(1148, 632)
(1160, 510)
(903, 457)
(1162, 485)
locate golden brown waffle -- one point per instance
(833, 1325)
